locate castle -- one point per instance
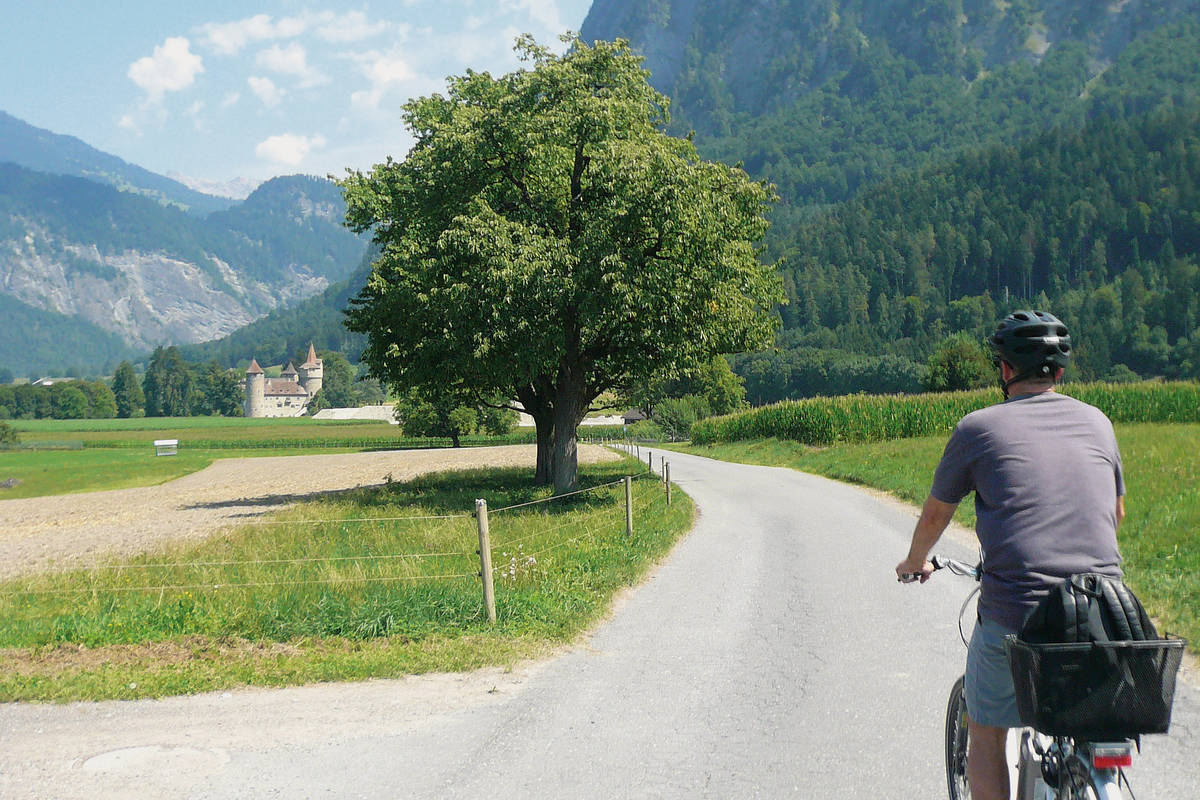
(285, 396)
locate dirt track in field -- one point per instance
(64, 531)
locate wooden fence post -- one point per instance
(667, 479)
(485, 559)
(629, 506)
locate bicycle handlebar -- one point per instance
(944, 562)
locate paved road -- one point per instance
(772, 655)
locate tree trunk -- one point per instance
(565, 457)
(570, 406)
(540, 409)
(545, 449)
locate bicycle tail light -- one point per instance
(1112, 756)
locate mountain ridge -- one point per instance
(42, 150)
(823, 97)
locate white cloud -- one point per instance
(128, 123)
(383, 70)
(291, 60)
(266, 90)
(228, 38)
(231, 99)
(288, 148)
(353, 26)
(172, 67)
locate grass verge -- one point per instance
(1160, 538)
(379, 583)
(37, 473)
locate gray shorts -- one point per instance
(991, 699)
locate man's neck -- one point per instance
(1030, 387)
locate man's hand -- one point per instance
(935, 516)
(907, 568)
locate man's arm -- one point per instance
(1120, 509)
(935, 516)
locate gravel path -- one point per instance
(68, 530)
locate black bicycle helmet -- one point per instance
(1033, 343)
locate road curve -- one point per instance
(771, 655)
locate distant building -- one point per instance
(285, 396)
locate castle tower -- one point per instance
(256, 388)
(311, 372)
(289, 373)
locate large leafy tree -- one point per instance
(546, 240)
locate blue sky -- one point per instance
(219, 90)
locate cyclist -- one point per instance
(1049, 495)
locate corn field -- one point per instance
(872, 418)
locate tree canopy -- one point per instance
(546, 240)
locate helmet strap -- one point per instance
(1036, 372)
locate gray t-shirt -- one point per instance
(1046, 473)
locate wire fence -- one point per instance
(526, 540)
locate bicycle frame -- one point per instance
(1071, 758)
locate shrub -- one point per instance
(646, 430)
(958, 364)
(8, 436)
(677, 415)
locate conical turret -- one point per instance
(311, 372)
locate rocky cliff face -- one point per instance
(156, 275)
(147, 298)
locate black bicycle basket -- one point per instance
(1096, 690)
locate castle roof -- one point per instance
(312, 358)
(279, 387)
(254, 368)
(290, 370)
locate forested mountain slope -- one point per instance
(41, 343)
(155, 275)
(941, 162)
(823, 97)
(1102, 225)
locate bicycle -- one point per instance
(1054, 762)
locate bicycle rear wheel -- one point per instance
(956, 744)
